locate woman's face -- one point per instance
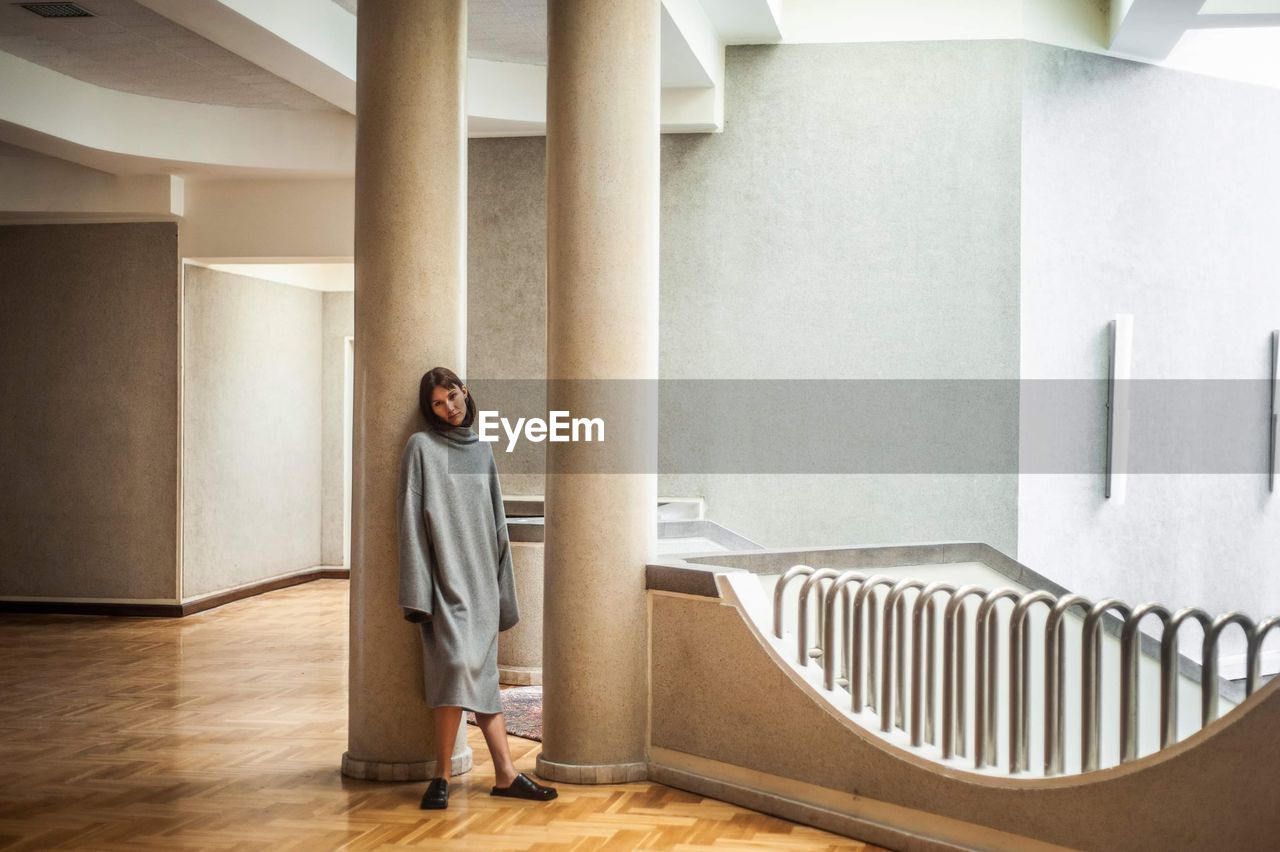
(449, 404)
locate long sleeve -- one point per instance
(508, 607)
(417, 560)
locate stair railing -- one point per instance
(870, 660)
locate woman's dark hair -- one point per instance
(442, 377)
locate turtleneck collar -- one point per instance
(458, 435)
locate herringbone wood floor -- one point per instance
(224, 731)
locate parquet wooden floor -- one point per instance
(224, 731)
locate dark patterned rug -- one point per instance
(522, 710)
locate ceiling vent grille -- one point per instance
(57, 10)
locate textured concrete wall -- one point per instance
(338, 324)
(858, 218)
(252, 430)
(1156, 193)
(507, 285)
(89, 424)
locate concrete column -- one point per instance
(602, 324)
(520, 648)
(410, 315)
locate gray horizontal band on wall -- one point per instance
(905, 426)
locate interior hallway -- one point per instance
(221, 731)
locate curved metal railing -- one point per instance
(869, 660)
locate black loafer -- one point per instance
(437, 795)
(525, 787)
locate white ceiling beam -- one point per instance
(692, 53)
(121, 132)
(692, 69)
(310, 43)
(1150, 29)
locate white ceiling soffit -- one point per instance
(326, 277)
(1150, 29)
(125, 46)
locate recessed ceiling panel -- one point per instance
(127, 47)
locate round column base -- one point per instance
(373, 770)
(520, 675)
(599, 773)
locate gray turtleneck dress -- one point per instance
(456, 578)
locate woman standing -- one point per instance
(456, 579)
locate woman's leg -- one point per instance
(495, 734)
(447, 720)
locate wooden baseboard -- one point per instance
(127, 610)
(170, 610)
(221, 598)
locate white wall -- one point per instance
(1155, 193)
(252, 421)
(338, 325)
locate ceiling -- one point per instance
(129, 48)
(266, 88)
(326, 277)
(507, 30)
(501, 30)
(143, 87)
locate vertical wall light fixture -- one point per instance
(1118, 406)
(1275, 414)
